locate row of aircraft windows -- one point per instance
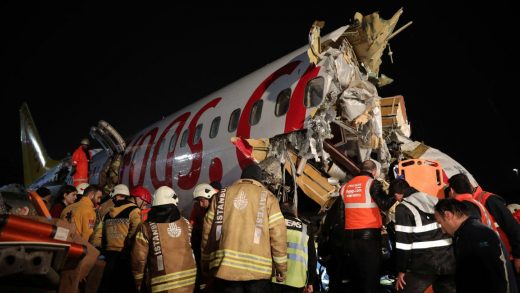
(312, 98)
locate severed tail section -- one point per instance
(36, 162)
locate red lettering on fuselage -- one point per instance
(168, 166)
(296, 114)
(189, 180)
(244, 129)
(152, 133)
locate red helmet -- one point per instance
(142, 192)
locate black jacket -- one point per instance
(481, 260)
(421, 247)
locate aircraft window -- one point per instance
(282, 102)
(314, 92)
(198, 131)
(233, 120)
(184, 138)
(213, 131)
(173, 140)
(256, 112)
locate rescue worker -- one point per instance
(113, 235)
(66, 196)
(107, 204)
(82, 213)
(507, 226)
(162, 258)
(481, 259)
(301, 255)
(142, 199)
(461, 190)
(80, 160)
(424, 254)
(202, 195)
(364, 199)
(244, 235)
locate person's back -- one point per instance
(248, 226)
(482, 264)
(162, 257)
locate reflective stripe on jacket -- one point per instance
(244, 234)
(361, 211)
(297, 253)
(162, 258)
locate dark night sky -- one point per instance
(78, 63)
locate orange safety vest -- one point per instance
(361, 211)
(482, 197)
(485, 217)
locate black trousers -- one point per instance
(117, 276)
(419, 283)
(278, 288)
(253, 286)
(364, 259)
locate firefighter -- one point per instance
(244, 236)
(108, 201)
(202, 195)
(113, 236)
(424, 255)
(364, 199)
(162, 258)
(301, 255)
(80, 161)
(82, 213)
(142, 199)
(481, 259)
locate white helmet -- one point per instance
(165, 195)
(204, 190)
(120, 189)
(81, 188)
(513, 207)
(85, 141)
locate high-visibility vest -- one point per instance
(361, 211)
(297, 253)
(482, 197)
(485, 217)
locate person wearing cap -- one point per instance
(113, 236)
(202, 195)
(80, 160)
(142, 199)
(162, 258)
(244, 236)
(82, 213)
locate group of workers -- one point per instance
(241, 239)
(466, 242)
(237, 239)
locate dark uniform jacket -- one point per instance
(421, 246)
(481, 261)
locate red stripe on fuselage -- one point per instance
(189, 180)
(244, 129)
(152, 133)
(296, 114)
(170, 153)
